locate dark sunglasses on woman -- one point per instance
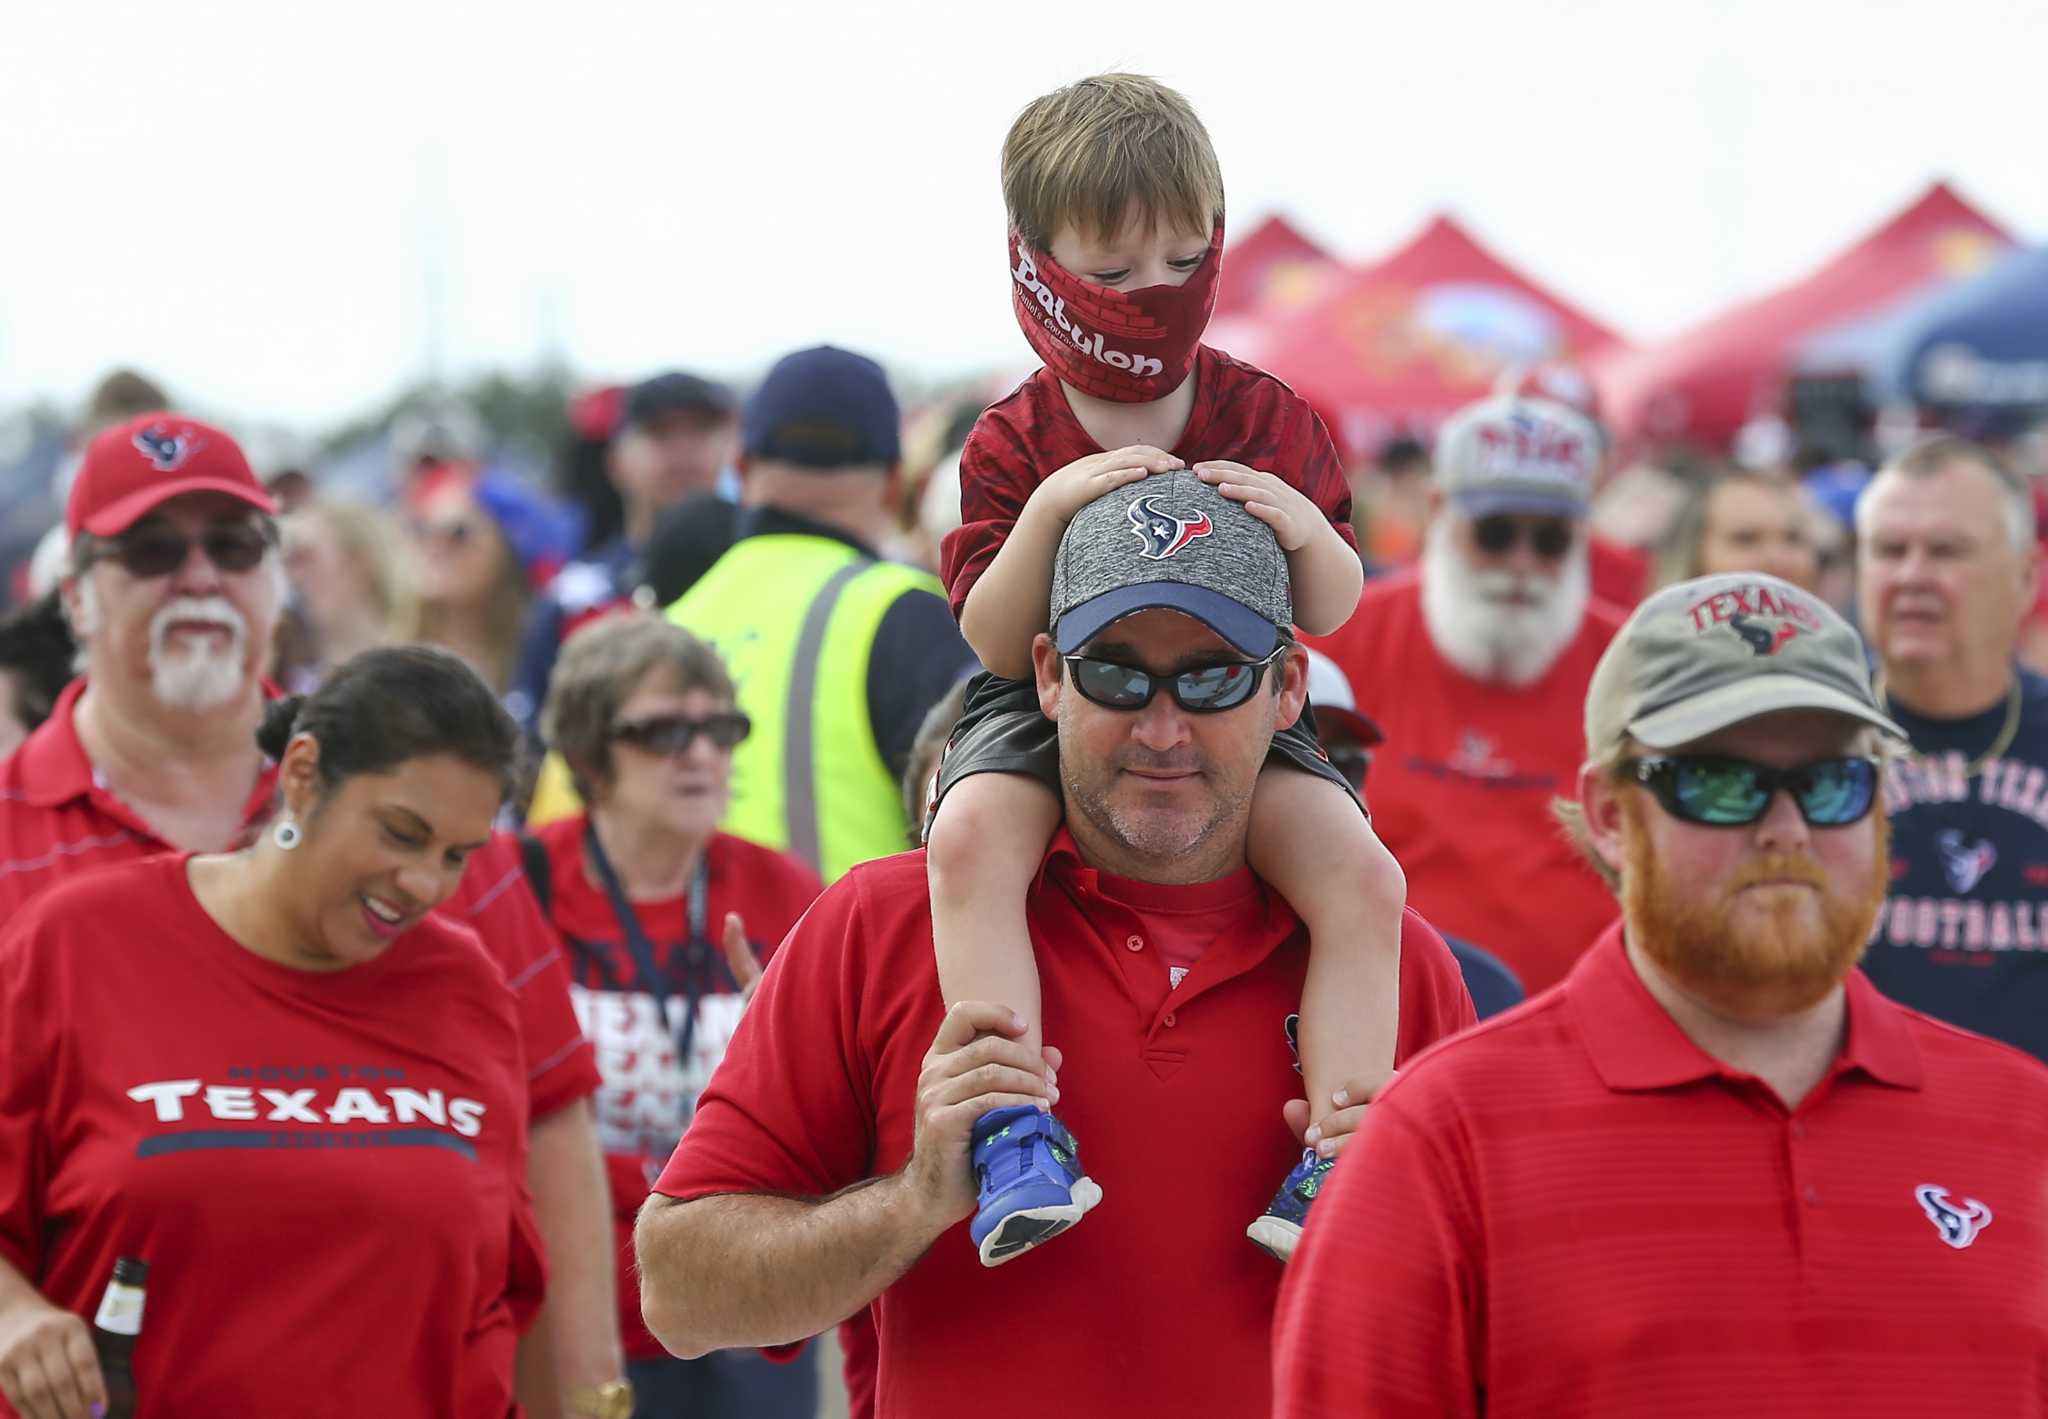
(1206, 689)
(674, 734)
(1719, 791)
(159, 551)
(1497, 532)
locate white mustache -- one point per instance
(1504, 586)
(206, 610)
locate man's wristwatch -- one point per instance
(611, 1400)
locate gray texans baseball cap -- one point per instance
(1718, 650)
(1516, 454)
(1170, 541)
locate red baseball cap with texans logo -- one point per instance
(131, 468)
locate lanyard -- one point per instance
(697, 949)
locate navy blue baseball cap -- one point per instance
(823, 408)
(675, 392)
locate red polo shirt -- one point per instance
(1461, 789)
(1157, 1304)
(57, 819)
(1573, 1210)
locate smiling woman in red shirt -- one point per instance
(302, 1105)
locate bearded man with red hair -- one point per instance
(1713, 1171)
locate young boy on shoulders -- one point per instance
(1116, 214)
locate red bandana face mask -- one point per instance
(1128, 346)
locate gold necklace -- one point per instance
(2005, 735)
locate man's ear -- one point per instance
(1600, 802)
(1046, 671)
(1292, 677)
(1436, 502)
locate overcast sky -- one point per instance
(287, 211)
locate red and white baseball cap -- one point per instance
(135, 466)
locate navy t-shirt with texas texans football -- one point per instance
(1964, 933)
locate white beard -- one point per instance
(203, 677)
(1477, 631)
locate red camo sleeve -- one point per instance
(25, 1084)
(495, 900)
(1322, 471)
(997, 477)
(1380, 1310)
(1434, 1001)
(790, 1107)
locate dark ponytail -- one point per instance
(393, 704)
(276, 730)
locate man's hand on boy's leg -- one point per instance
(1330, 1134)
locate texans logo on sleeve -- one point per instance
(1162, 533)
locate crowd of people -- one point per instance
(1507, 932)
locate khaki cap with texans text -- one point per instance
(1705, 654)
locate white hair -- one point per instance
(1476, 629)
(1941, 452)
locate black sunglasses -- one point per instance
(1497, 532)
(673, 734)
(1722, 792)
(159, 551)
(1206, 689)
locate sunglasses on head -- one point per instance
(1722, 792)
(159, 551)
(1500, 531)
(673, 734)
(1206, 689)
(447, 534)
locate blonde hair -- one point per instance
(1085, 155)
(368, 537)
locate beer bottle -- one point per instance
(113, 1334)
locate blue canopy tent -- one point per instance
(1973, 351)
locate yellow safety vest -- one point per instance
(794, 616)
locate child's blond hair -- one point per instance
(1082, 156)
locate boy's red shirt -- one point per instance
(1241, 414)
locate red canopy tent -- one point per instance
(1704, 385)
(1269, 273)
(1403, 343)
(1267, 267)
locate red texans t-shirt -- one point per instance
(648, 1091)
(1241, 414)
(324, 1171)
(57, 819)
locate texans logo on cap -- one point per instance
(1766, 621)
(163, 448)
(1761, 639)
(1162, 533)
